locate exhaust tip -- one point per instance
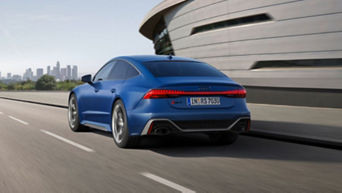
(242, 126)
(160, 128)
(161, 131)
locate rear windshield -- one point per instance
(181, 68)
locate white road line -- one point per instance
(67, 141)
(167, 183)
(16, 119)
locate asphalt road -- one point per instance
(312, 123)
(39, 153)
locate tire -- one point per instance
(120, 129)
(223, 138)
(73, 116)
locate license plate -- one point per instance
(193, 101)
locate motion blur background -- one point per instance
(286, 53)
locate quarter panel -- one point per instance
(131, 93)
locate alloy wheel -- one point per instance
(72, 112)
(118, 124)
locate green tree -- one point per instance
(18, 86)
(46, 82)
(11, 86)
(67, 85)
(3, 86)
(28, 85)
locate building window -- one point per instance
(309, 63)
(161, 40)
(232, 23)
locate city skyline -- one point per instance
(37, 33)
(69, 72)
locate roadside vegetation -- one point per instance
(44, 83)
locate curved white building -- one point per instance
(283, 51)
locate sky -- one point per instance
(87, 33)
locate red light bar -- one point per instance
(163, 93)
(150, 129)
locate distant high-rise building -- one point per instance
(40, 72)
(74, 72)
(16, 77)
(68, 72)
(9, 75)
(48, 70)
(63, 74)
(28, 75)
(54, 71)
(58, 70)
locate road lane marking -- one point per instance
(167, 183)
(68, 141)
(16, 119)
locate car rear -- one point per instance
(191, 96)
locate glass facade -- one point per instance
(333, 62)
(232, 23)
(161, 39)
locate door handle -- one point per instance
(113, 90)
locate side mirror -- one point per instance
(86, 78)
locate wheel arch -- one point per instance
(116, 99)
(123, 102)
(111, 113)
(71, 93)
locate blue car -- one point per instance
(133, 96)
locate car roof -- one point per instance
(151, 58)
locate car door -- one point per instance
(107, 89)
(92, 99)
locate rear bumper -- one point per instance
(149, 111)
(161, 126)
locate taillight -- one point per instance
(164, 93)
(160, 93)
(237, 93)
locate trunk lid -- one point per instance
(199, 85)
